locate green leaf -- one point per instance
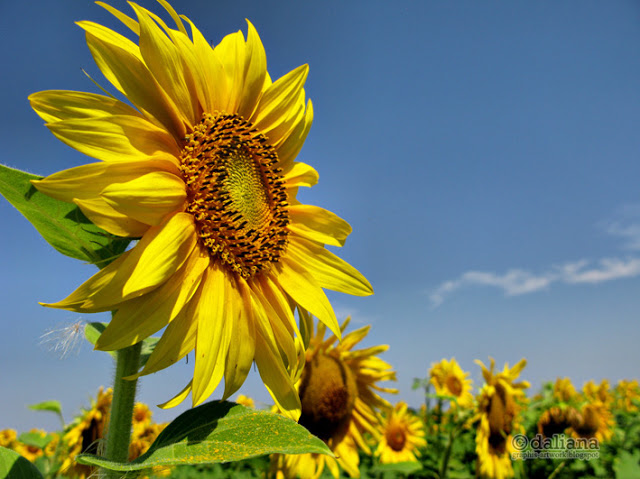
(92, 332)
(13, 465)
(219, 431)
(627, 465)
(61, 224)
(409, 467)
(35, 439)
(52, 406)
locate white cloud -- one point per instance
(631, 232)
(517, 281)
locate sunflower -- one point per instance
(201, 169)
(85, 435)
(563, 390)
(626, 392)
(556, 420)
(8, 438)
(498, 408)
(340, 402)
(594, 420)
(449, 380)
(29, 451)
(600, 392)
(402, 436)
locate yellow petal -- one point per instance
(178, 398)
(55, 105)
(242, 348)
(104, 216)
(327, 269)
(163, 256)
(126, 19)
(139, 318)
(278, 99)
(165, 63)
(289, 148)
(230, 52)
(302, 287)
(148, 198)
(217, 310)
(318, 224)
(277, 380)
(116, 138)
(255, 69)
(126, 70)
(300, 174)
(87, 181)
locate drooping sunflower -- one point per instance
(86, 434)
(402, 436)
(448, 379)
(201, 169)
(594, 420)
(556, 420)
(563, 390)
(499, 405)
(626, 393)
(340, 402)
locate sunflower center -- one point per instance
(396, 437)
(236, 193)
(327, 392)
(454, 385)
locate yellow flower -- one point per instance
(202, 170)
(498, 407)
(556, 420)
(340, 402)
(594, 420)
(626, 392)
(600, 392)
(449, 380)
(245, 401)
(402, 436)
(563, 390)
(33, 452)
(85, 435)
(8, 438)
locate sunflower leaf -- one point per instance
(219, 431)
(52, 406)
(13, 464)
(61, 224)
(35, 439)
(407, 468)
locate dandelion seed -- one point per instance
(64, 341)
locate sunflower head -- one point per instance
(563, 390)
(246, 401)
(499, 404)
(593, 420)
(556, 420)
(201, 168)
(627, 393)
(402, 436)
(340, 401)
(448, 379)
(597, 392)
(8, 438)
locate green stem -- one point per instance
(124, 393)
(557, 470)
(447, 455)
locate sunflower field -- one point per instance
(494, 430)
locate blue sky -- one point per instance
(485, 153)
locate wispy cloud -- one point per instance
(517, 281)
(626, 225)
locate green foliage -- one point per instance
(627, 465)
(61, 224)
(219, 432)
(92, 332)
(35, 439)
(13, 465)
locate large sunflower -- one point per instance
(402, 436)
(340, 404)
(449, 380)
(499, 408)
(202, 170)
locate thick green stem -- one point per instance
(124, 394)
